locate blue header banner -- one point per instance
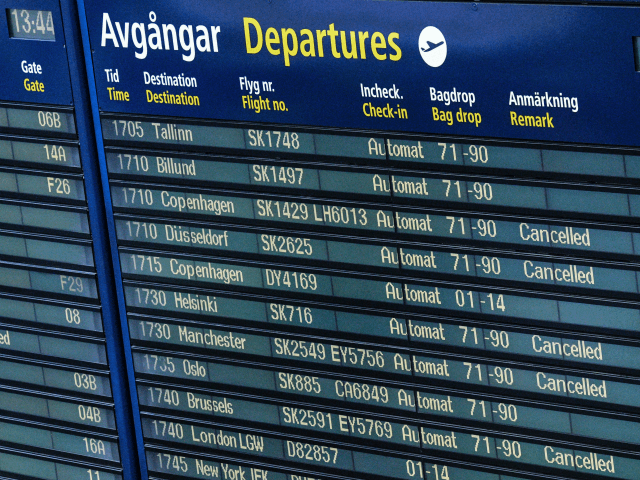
(33, 54)
(540, 72)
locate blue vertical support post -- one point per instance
(120, 385)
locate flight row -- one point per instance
(416, 151)
(381, 185)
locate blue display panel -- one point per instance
(389, 240)
(261, 62)
(60, 401)
(35, 60)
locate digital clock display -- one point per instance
(31, 24)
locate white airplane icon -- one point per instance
(431, 46)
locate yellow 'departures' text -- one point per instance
(318, 43)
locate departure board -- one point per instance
(58, 412)
(382, 240)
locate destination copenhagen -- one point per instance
(197, 203)
(206, 271)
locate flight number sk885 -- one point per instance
(298, 383)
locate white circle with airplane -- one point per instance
(433, 46)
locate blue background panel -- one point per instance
(51, 56)
(581, 52)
